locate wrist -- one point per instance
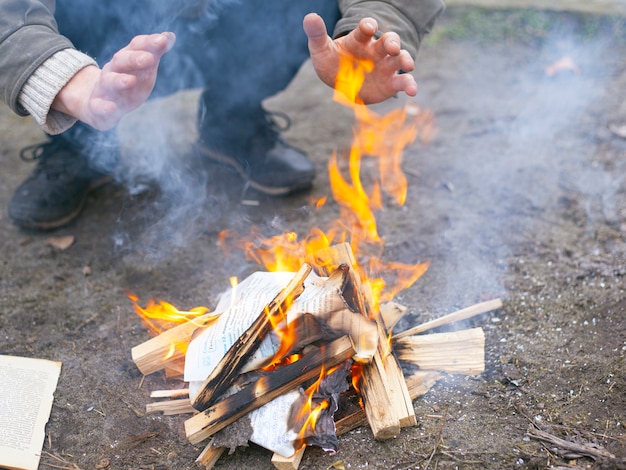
(73, 98)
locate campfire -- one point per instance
(306, 348)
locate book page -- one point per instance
(26, 393)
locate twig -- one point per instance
(438, 440)
(593, 452)
(66, 465)
(85, 322)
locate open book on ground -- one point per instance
(26, 392)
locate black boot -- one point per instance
(56, 191)
(249, 141)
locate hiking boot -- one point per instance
(250, 143)
(56, 191)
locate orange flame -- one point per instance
(308, 414)
(285, 331)
(375, 136)
(159, 316)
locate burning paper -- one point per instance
(238, 308)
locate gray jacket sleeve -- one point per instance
(411, 19)
(28, 37)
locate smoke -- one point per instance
(237, 53)
(514, 143)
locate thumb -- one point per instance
(315, 30)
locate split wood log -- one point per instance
(210, 455)
(459, 315)
(387, 402)
(171, 407)
(220, 379)
(418, 384)
(170, 346)
(175, 368)
(266, 388)
(455, 352)
(288, 463)
(176, 393)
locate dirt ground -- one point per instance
(521, 195)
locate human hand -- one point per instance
(386, 54)
(101, 97)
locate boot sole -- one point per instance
(218, 157)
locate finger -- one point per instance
(405, 82)
(407, 64)
(389, 44)
(112, 83)
(132, 61)
(366, 30)
(156, 43)
(315, 30)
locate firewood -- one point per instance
(266, 388)
(174, 368)
(459, 315)
(417, 384)
(235, 358)
(387, 402)
(288, 463)
(171, 407)
(170, 346)
(456, 352)
(210, 455)
(176, 393)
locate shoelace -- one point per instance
(42, 153)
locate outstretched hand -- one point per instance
(101, 97)
(386, 53)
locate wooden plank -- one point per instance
(210, 455)
(381, 400)
(455, 352)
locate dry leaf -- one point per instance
(60, 243)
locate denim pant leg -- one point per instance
(256, 49)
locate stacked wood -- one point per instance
(231, 364)
(387, 401)
(265, 389)
(387, 395)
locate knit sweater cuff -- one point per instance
(42, 87)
